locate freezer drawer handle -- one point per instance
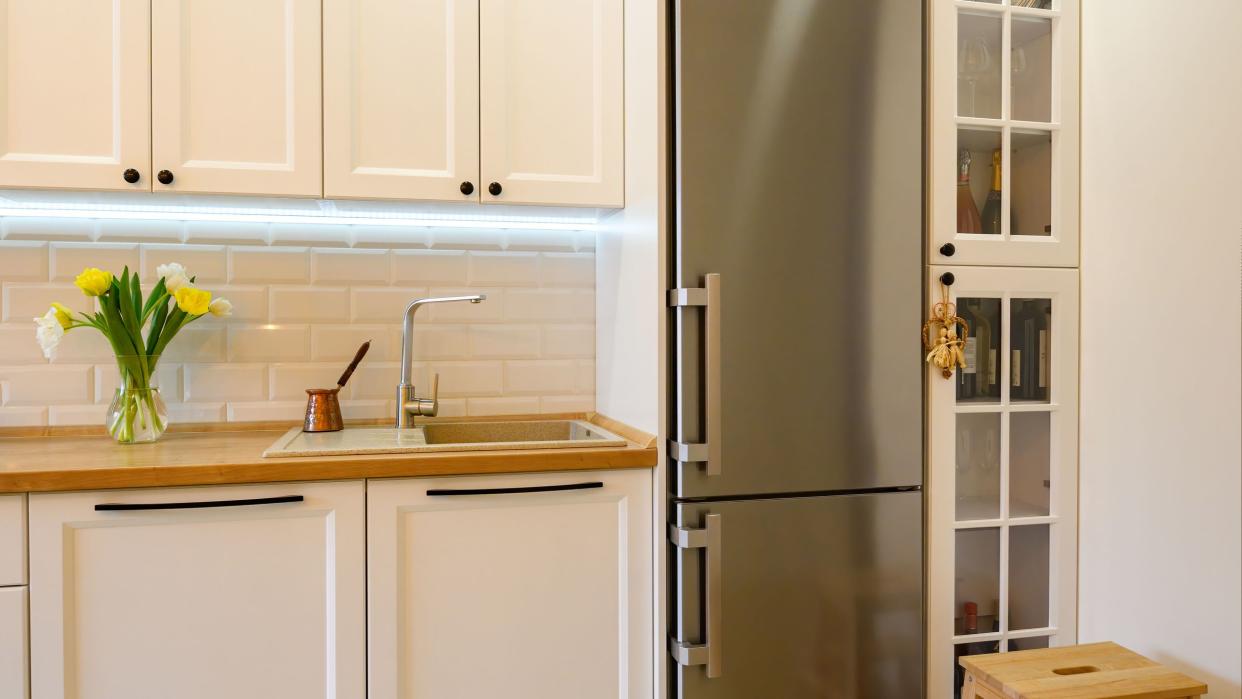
(195, 505)
(712, 448)
(710, 653)
(441, 492)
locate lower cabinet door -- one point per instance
(13, 657)
(533, 586)
(246, 592)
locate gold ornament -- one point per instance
(945, 351)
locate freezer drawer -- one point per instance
(798, 597)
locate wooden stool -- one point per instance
(1092, 671)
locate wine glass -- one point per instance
(974, 59)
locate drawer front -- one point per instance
(13, 680)
(12, 540)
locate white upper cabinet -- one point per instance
(74, 94)
(401, 99)
(551, 93)
(531, 586)
(235, 91)
(199, 593)
(1004, 132)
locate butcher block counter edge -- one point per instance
(224, 454)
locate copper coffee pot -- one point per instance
(323, 410)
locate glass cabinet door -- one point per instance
(1004, 125)
(1003, 470)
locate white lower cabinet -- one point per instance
(534, 586)
(13, 653)
(246, 592)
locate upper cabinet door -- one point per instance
(1004, 133)
(235, 86)
(551, 102)
(401, 99)
(74, 93)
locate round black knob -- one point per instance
(164, 176)
(495, 189)
(948, 249)
(467, 188)
(947, 279)
(131, 175)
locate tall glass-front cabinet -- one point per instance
(1003, 431)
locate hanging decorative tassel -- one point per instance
(945, 348)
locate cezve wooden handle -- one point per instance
(349, 370)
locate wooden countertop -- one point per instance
(52, 461)
(1092, 671)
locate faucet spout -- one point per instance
(406, 399)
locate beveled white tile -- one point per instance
(249, 305)
(492, 309)
(504, 341)
(225, 382)
(84, 345)
(383, 304)
(441, 342)
(503, 269)
(467, 379)
(586, 376)
(23, 416)
(505, 405)
(269, 265)
(290, 381)
(335, 343)
(55, 384)
(67, 260)
(540, 376)
(309, 304)
(23, 261)
(429, 267)
(368, 409)
(135, 231)
(267, 411)
(208, 264)
(18, 344)
(25, 301)
(188, 413)
(22, 228)
(378, 380)
(550, 305)
(354, 267)
(568, 269)
(567, 404)
(199, 342)
(93, 414)
(569, 341)
(227, 233)
(268, 343)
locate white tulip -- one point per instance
(174, 275)
(221, 308)
(48, 332)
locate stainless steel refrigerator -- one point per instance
(796, 449)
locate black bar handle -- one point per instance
(505, 491)
(126, 506)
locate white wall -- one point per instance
(1161, 529)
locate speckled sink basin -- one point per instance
(446, 436)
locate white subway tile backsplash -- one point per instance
(290, 381)
(337, 343)
(383, 304)
(23, 416)
(21, 228)
(568, 341)
(23, 302)
(569, 269)
(35, 384)
(360, 267)
(429, 267)
(77, 414)
(208, 264)
(309, 304)
(550, 305)
(268, 343)
(268, 265)
(503, 269)
(540, 376)
(302, 304)
(504, 341)
(567, 404)
(69, 259)
(505, 405)
(23, 261)
(225, 382)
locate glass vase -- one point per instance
(137, 414)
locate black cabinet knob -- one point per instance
(495, 189)
(467, 188)
(948, 249)
(131, 175)
(947, 279)
(164, 176)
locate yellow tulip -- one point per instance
(94, 282)
(193, 301)
(63, 315)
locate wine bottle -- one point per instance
(968, 220)
(991, 216)
(981, 332)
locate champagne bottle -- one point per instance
(991, 216)
(968, 220)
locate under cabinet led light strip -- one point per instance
(559, 223)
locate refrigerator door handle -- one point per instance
(711, 449)
(710, 653)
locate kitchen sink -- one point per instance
(445, 436)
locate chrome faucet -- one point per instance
(409, 404)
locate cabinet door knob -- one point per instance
(467, 188)
(131, 175)
(495, 189)
(164, 176)
(948, 249)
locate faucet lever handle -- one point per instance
(435, 391)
